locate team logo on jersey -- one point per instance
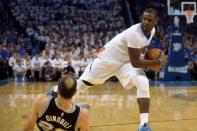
(177, 47)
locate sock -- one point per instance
(143, 118)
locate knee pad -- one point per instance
(81, 85)
(142, 85)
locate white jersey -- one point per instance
(116, 50)
(36, 62)
(12, 61)
(57, 63)
(20, 66)
(28, 64)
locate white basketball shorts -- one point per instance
(98, 71)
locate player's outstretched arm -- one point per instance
(134, 55)
(37, 106)
(84, 120)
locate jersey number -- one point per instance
(48, 127)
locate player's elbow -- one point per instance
(135, 63)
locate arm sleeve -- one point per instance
(132, 39)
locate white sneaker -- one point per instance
(145, 127)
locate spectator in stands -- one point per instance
(36, 67)
(69, 69)
(82, 65)
(47, 51)
(47, 70)
(11, 63)
(57, 64)
(19, 68)
(90, 53)
(28, 67)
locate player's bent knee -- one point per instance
(87, 83)
(142, 85)
(81, 85)
(129, 86)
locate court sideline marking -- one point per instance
(133, 123)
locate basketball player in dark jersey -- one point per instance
(58, 113)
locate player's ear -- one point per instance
(156, 21)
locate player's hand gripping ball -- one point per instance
(153, 54)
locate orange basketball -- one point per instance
(152, 54)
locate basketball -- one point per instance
(152, 54)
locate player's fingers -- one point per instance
(162, 55)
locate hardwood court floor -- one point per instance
(112, 107)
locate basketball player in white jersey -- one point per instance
(120, 57)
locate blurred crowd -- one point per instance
(61, 36)
(58, 21)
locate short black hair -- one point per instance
(151, 10)
(66, 89)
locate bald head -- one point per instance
(67, 86)
(69, 82)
